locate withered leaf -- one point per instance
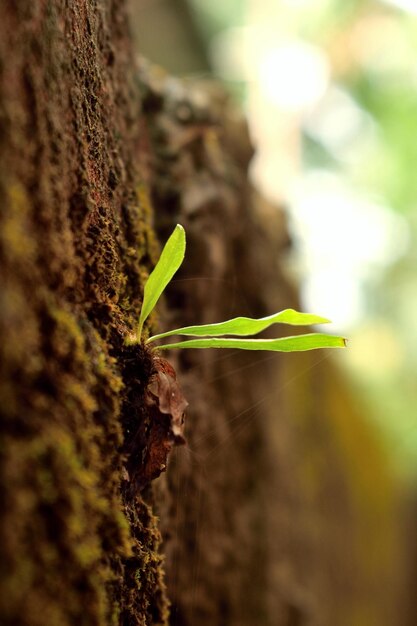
(165, 425)
(164, 391)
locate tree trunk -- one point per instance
(262, 520)
(75, 242)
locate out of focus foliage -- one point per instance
(373, 51)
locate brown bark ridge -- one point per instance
(75, 244)
(265, 520)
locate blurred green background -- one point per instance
(330, 92)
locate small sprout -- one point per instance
(170, 260)
(297, 343)
(212, 335)
(243, 326)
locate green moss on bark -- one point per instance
(74, 249)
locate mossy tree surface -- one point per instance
(74, 245)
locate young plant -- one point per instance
(214, 335)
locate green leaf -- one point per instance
(245, 325)
(297, 343)
(170, 260)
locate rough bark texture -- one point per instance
(75, 243)
(268, 518)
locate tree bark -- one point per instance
(264, 518)
(75, 244)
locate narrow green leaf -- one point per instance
(297, 343)
(243, 326)
(170, 260)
